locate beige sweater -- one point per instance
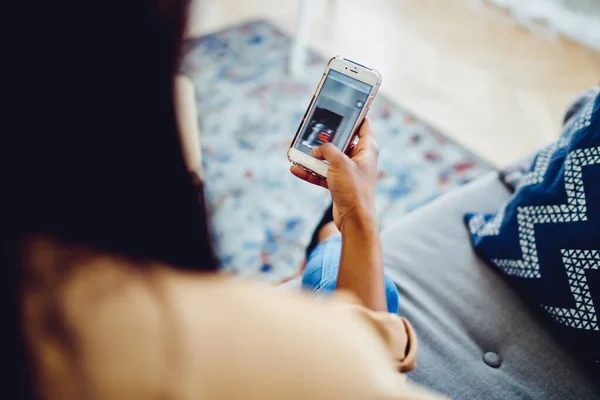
(103, 327)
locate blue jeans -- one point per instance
(321, 272)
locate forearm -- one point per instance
(361, 265)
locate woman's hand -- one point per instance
(351, 180)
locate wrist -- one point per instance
(363, 219)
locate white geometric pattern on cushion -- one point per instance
(477, 224)
(583, 316)
(529, 216)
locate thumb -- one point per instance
(327, 152)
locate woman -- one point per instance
(113, 292)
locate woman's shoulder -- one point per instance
(94, 321)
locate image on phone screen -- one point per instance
(334, 113)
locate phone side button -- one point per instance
(370, 101)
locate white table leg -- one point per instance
(300, 41)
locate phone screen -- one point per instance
(334, 113)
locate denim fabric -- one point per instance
(321, 272)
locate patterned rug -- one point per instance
(249, 108)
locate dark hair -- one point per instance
(98, 159)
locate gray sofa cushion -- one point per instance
(462, 309)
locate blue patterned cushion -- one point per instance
(546, 238)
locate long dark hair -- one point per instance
(97, 159)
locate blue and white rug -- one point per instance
(248, 111)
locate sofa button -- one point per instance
(492, 359)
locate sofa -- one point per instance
(477, 337)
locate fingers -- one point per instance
(372, 145)
(308, 177)
(366, 144)
(366, 141)
(350, 150)
(327, 152)
(331, 153)
(366, 152)
(365, 128)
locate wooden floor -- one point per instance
(463, 66)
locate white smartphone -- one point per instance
(336, 110)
